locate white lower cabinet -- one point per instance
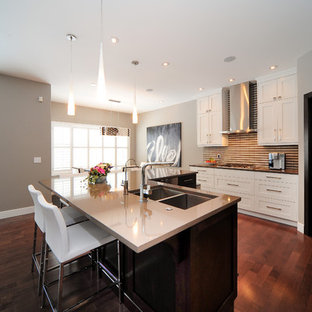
(237, 183)
(276, 208)
(264, 194)
(205, 177)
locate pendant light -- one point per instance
(134, 112)
(71, 99)
(101, 88)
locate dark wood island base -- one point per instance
(194, 271)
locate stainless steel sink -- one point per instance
(176, 198)
(160, 193)
(185, 201)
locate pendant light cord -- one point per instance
(71, 62)
(101, 34)
(135, 85)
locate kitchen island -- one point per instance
(173, 259)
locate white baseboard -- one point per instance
(266, 217)
(16, 212)
(300, 227)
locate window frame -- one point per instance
(73, 125)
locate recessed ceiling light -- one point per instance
(114, 40)
(231, 79)
(200, 89)
(149, 90)
(165, 64)
(272, 67)
(93, 84)
(230, 59)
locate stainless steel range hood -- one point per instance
(239, 105)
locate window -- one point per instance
(83, 146)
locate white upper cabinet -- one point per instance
(203, 105)
(267, 123)
(287, 87)
(202, 129)
(277, 89)
(210, 121)
(267, 91)
(278, 111)
(288, 122)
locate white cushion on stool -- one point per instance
(70, 242)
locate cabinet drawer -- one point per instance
(276, 178)
(208, 180)
(232, 186)
(187, 180)
(207, 187)
(276, 208)
(282, 191)
(235, 174)
(246, 203)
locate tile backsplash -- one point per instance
(244, 148)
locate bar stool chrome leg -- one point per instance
(60, 287)
(119, 275)
(45, 266)
(34, 248)
(41, 265)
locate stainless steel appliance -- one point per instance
(277, 160)
(240, 99)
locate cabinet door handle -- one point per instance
(269, 177)
(201, 180)
(231, 184)
(279, 97)
(274, 136)
(274, 98)
(270, 207)
(277, 191)
(280, 133)
(188, 180)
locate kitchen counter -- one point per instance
(137, 225)
(169, 255)
(260, 169)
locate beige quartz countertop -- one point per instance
(260, 169)
(137, 225)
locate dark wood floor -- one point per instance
(275, 269)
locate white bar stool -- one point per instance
(69, 244)
(71, 216)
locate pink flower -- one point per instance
(100, 170)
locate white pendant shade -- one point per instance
(71, 103)
(134, 116)
(101, 88)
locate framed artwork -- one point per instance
(164, 143)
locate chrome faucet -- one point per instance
(144, 188)
(125, 182)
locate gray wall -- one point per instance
(304, 76)
(86, 115)
(25, 133)
(184, 113)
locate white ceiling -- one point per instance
(193, 35)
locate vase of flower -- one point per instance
(101, 179)
(99, 173)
